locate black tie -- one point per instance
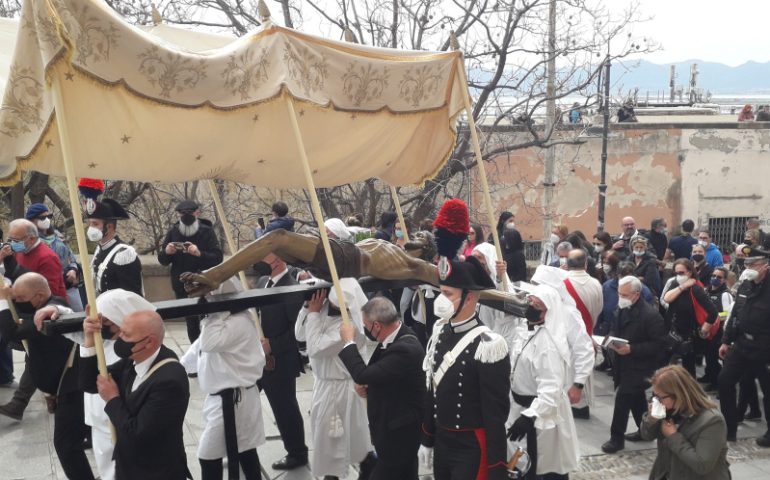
(270, 283)
(130, 377)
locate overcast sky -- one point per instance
(730, 32)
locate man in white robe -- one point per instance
(498, 321)
(580, 343)
(338, 418)
(228, 358)
(539, 377)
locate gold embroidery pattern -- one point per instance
(306, 68)
(224, 172)
(419, 83)
(22, 104)
(174, 72)
(95, 40)
(364, 84)
(43, 27)
(243, 74)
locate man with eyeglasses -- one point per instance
(746, 343)
(41, 216)
(634, 362)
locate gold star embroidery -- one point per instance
(69, 76)
(49, 143)
(125, 138)
(198, 157)
(353, 116)
(315, 171)
(302, 113)
(255, 118)
(92, 165)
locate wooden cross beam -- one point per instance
(235, 302)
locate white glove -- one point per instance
(425, 457)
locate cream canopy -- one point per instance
(170, 105)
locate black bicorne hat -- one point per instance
(108, 209)
(468, 275)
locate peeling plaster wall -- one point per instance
(668, 171)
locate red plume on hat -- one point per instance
(451, 227)
(90, 188)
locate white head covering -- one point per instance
(338, 228)
(355, 299)
(555, 319)
(490, 256)
(554, 278)
(231, 285)
(115, 305)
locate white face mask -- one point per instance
(44, 224)
(94, 234)
(680, 279)
(443, 307)
(624, 303)
(703, 243)
(607, 269)
(555, 239)
(599, 248)
(562, 260)
(510, 226)
(749, 275)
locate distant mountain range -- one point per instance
(749, 78)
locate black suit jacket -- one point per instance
(278, 325)
(48, 355)
(396, 389)
(148, 421)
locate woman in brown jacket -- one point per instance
(692, 442)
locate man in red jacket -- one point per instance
(33, 255)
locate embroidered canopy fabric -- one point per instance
(171, 105)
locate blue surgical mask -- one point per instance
(399, 234)
(638, 254)
(715, 282)
(17, 246)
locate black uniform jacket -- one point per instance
(206, 241)
(148, 421)
(48, 355)
(278, 325)
(124, 270)
(395, 393)
(749, 322)
(472, 395)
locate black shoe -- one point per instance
(753, 415)
(367, 466)
(732, 437)
(634, 437)
(289, 463)
(13, 410)
(192, 375)
(703, 379)
(613, 446)
(331, 477)
(581, 413)
(764, 441)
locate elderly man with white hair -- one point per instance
(228, 358)
(539, 379)
(641, 326)
(113, 306)
(338, 415)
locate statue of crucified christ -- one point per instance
(369, 257)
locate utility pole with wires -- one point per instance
(605, 135)
(549, 181)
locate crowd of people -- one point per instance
(425, 375)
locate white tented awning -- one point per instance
(170, 105)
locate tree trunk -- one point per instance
(37, 186)
(17, 200)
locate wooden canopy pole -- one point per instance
(316, 206)
(77, 214)
(230, 242)
(477, 152)
(399, 212)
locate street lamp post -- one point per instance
(605, 134)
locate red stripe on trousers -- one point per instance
(481, 437)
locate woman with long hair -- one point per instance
(685, 299)
(689, 428)
(475, 237)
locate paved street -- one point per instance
(26, 449)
